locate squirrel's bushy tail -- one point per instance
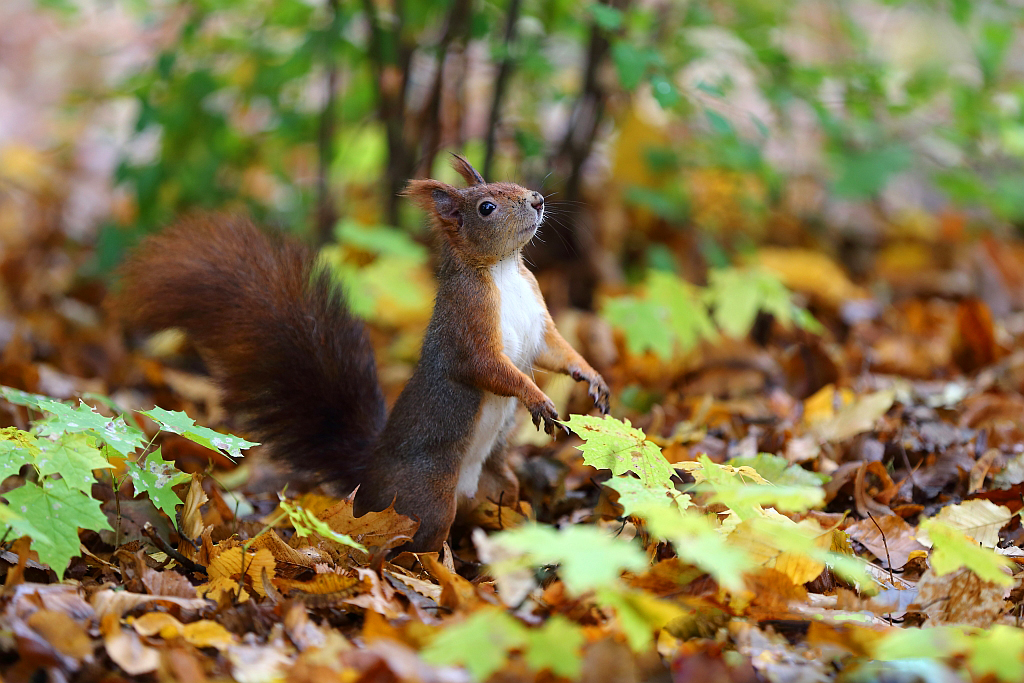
(292, 361)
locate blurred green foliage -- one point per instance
(306, 110)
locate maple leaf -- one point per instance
(112, 431)
(587, 556)
(17, 448)
(615, 445)
(998, 651)
(634, 496)
(58, 511)
(74, 458)
(640, 614)
(952, 549)
(698, 542)
(480, 643)
(556, 647)
(155, 477)
(180, 423)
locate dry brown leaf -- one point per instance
(282, 552)
(493, 517)
(456, 592)
(900, 538)
(960, 598)
(421, 586)
(377, 595)
(169, 583)
(303, 633)
(981, 468)
(374, 529)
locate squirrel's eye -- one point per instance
(487, 208)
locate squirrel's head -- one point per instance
(484, 222)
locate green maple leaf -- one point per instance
(615, 445)
(155, 477)
(633, 495)
(737, 294)
(556, 647)
(639, 613)
(698, 542)
(644, 324)
(74, 458)
(778, 470)
(687, 315)
(113, 431)
(998, 651)
(670, 314)
(17, 448)
(58, 511)
(952, 549)
(22, 398)
(587, 556)
(180, 423)
(480, 643)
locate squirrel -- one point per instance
(297, 367)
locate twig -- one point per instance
(149, 532)
(888, 560)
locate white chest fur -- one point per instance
(522, 338)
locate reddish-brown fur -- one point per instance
(295, 362)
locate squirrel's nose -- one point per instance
(537, 201)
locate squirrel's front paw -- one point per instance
(598, 389)
(545, 410)
(598, 392)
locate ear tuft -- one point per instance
(436, 198)
(466, 170)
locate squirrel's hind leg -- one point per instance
(498, 483)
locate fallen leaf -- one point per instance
(126, 649)
(893, 544)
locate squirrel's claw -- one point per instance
(545, 411)
(598, 389)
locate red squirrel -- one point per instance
(296, 365)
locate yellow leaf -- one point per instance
(157, 624)
(208, 633)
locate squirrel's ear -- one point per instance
(466, 170)
(437, 198)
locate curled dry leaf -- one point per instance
(117, 603)
(283, 553)
(456, 592)
(191, 516)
